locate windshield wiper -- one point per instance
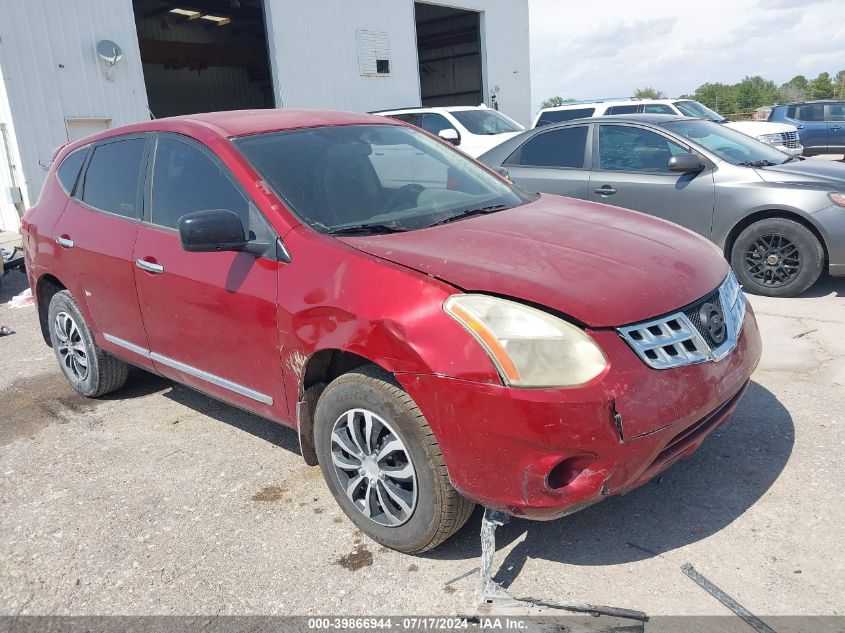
(479, 211)
(757, 163)
(367, 229)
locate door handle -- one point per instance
(606, 190)
(835, 127)
(150, 267)
(64, 241)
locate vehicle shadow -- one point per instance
(12, 283)
(690, 501)
(142, 383)
(824, 287)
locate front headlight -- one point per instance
(529, 347)
(771, 139)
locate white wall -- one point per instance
(9, 172)
(51, 73)
(314, 53)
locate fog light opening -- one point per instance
(567, 471)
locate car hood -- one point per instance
(810, 170)
(758, 128)
(601, 265)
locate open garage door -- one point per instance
(203, 55)
(449, 47)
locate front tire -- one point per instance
(383, 465)
(88, 369)
(777, 257)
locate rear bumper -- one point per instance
(501, 444)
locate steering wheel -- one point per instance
(411, 191)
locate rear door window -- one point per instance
(837, 112)
(557, 116)
(188, 179)
(658, 108)
(622, 109)
(557, 148)
(626, 148)
(811, 113)
(68, 171)
(111, 180)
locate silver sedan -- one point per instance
(779, 220)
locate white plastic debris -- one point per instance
(22, 300)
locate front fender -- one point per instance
(334, 297)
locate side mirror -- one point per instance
(503, 172)
(685, 163)
(450, 135)
(211, 231)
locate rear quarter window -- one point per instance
(68, 171)
(558, 116)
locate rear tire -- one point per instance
(777, 257)
(429, 510)
(88, 369)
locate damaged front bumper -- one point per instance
(546, 453)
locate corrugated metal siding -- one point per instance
(51, 73)
(314, 50)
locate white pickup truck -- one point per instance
(781, 136)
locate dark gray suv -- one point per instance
(780, 220)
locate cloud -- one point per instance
(613, 47)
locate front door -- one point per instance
(630, 170)
(210, 317)
(96, 235)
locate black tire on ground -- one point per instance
(777, 231)
(440, 511)
(92, 372)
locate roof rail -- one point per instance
(605, 99)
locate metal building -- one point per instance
(68, 69)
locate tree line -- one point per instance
(749, 94)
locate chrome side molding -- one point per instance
(190, 370)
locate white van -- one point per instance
(781, 136)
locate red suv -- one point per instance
(438, 336)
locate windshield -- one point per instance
(387, 177)
(729, 145)
(698, 111)
(486, 122)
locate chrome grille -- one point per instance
(790, 139)
(681, 338)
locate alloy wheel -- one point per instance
(374, 467)
(773, 260)
(71, 347)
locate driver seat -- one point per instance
(352, 189)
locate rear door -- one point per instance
(812, 127)
(555, 161)
(96, 235)
(210, 317)
(836, 127)
(630, 170)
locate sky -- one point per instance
(609, 48)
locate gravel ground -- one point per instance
(159, 500)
